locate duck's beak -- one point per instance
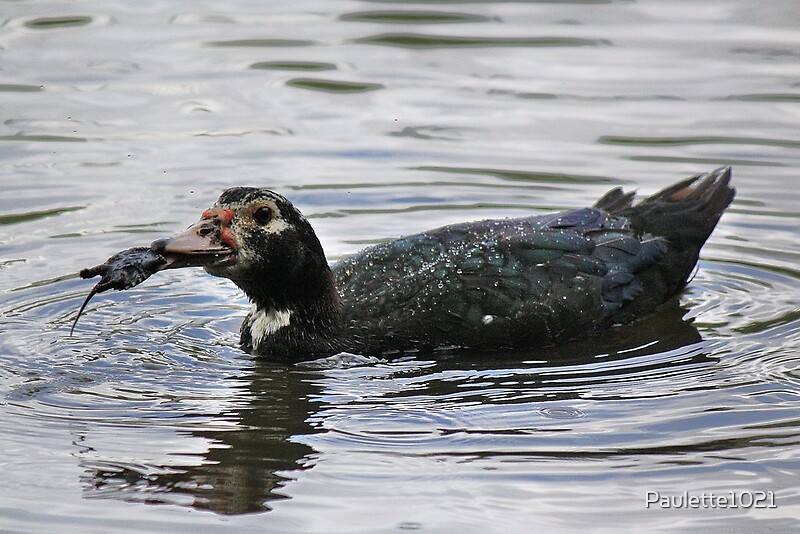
(203, 244)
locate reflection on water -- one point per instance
(247, 461)
(249, 458)
(380, 119)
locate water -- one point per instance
(124, 120)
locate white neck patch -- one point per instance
(267, 322)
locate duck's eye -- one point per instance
(262, 215)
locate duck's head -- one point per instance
(259, 240)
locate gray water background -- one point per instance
(122, 121)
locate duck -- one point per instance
(497, 284)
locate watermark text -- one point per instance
(730, 499)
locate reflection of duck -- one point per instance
(512, 283)
(250, 452)
(255, 450)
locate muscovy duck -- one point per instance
(492, 284)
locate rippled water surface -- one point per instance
(123, 120)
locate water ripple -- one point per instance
(383, 122)
(419, 40)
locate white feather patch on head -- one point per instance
(278, 224)
(267, 322)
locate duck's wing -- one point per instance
(514, 282)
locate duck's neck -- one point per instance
(301, 318)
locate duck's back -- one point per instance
(528, 282)
(498, 283)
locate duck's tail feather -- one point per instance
(684, 214)
(615, 200)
